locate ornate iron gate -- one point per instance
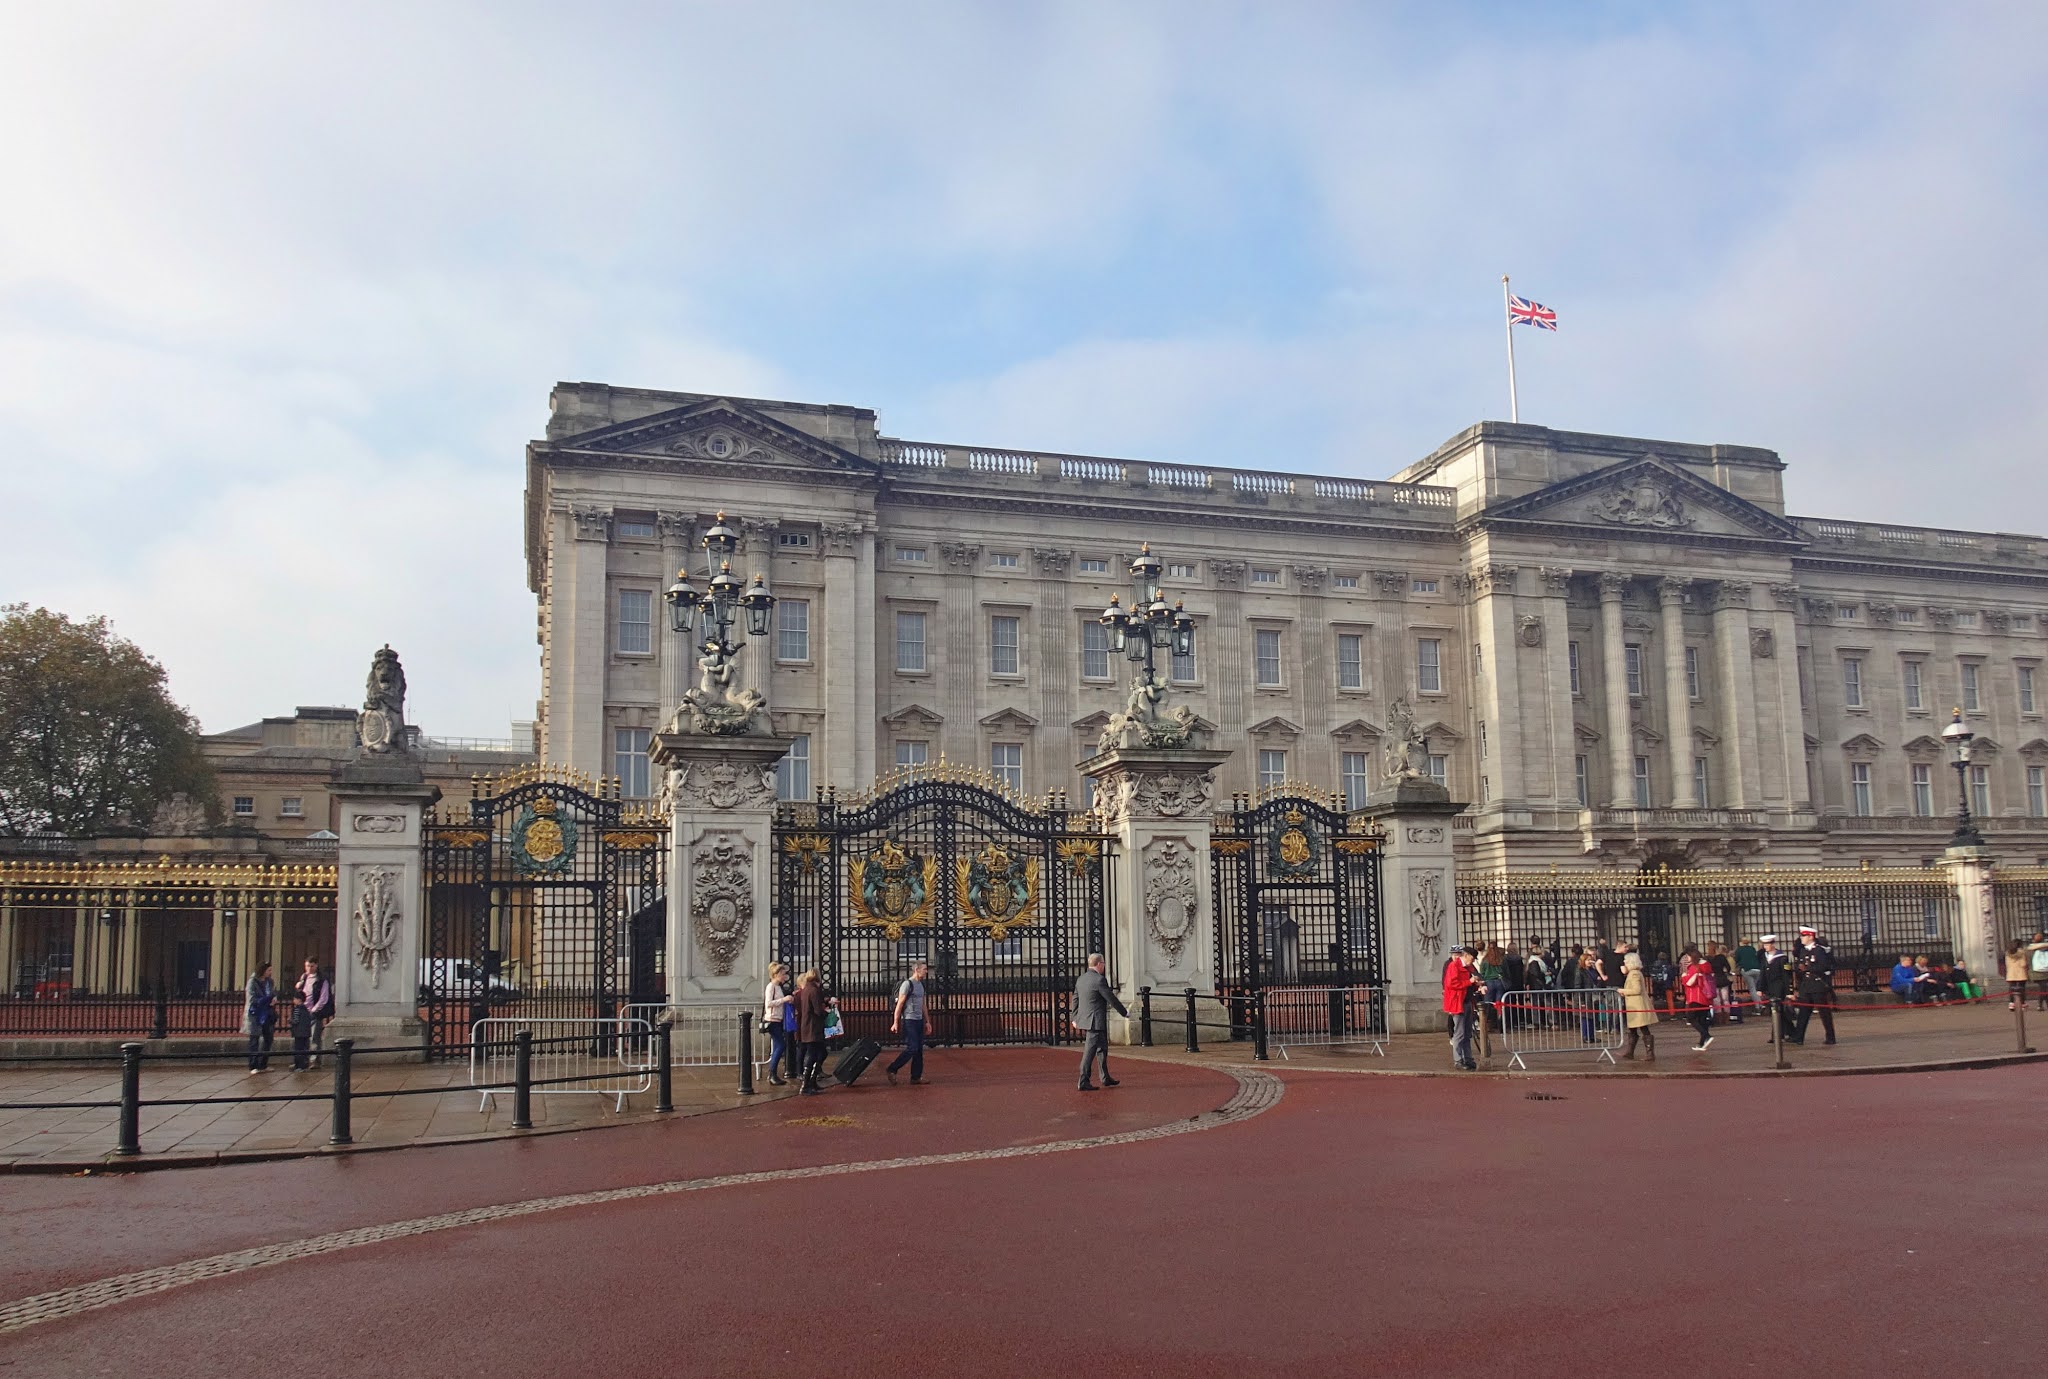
(1297, 886)
(1005, 898)
(541, 893)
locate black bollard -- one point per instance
(2019, 1017)
(522, 1080)
(1194, 1044)
(1338, 997)
(1259, 1026)
(1778, 1035)
(747, 1053)
(1145, 1017)
(344, 1053)
(664, 1084)
(129, 1142)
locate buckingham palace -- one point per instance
(1620, 651)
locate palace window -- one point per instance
(1632, 662)
(911, 555)
(636, 527)
(792, 629)
(1923, 790)
(1571, 657)
(1579, 783)
(1966, 621)
(1699, 782)
(1181, 670)
(1909, 677)
(1003, 560)
(1266, 658)
(629, 761)
(1848, 612)
(1006, 764)
(793, 772)
(793, 540)
(1350, 661)
(1265, 576)
(1859, 788)
(2026, 674)
(910, 641)
(1908, 617)
(1344, 581)
(1980, 790)
(1272, 766)
(1429, 666)
(1692, 673)
(1002, 645)
(913, 752)
(245, 805)
(1482, 739)
(1354, 778)
(1440, 770)
(1852, 681)
(1642, 782)
(636, 622)
(1181, 571)
(2037, 791)
(1092, 566)
(292, 806)
(1094, 651)
(1422, 586)
(1972, 700)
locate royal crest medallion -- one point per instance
(543, 838)
(1295, 850)
(893, 890)
(998, 892)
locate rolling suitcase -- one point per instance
(854, 1061)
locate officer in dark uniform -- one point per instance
(1775, 982)
(1814, 969)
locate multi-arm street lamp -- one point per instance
(1959, 737)
(1146, 627)
(708, 616)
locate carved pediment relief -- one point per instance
(1649, 495)
(1645, 736)
(1357, 730)
(1862, 746)
(1984, 747)
(1706, 737)
(1584, 735)
(1924, 747)
(719, 431)
(1093, 724)
(1441, 731)
(913, 716)
(1015, 720)
(1275, 726)
(2035, 750)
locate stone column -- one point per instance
(953, 650)
(867, 638)
(1678, 712)
(1783, 648)
(1500, 703)
(673, 661)
(1055, 651)
(579, 633)
(1621, 779)
(380, 894)
(756, 556)
(1740, 726)
(1418, 900)
(1225, 662)
(845, 636)
(1560, 739)
(1976, 936)
(131, 951)
(721, 872)
(1157, 803)
(220, 975)
(1317, 656)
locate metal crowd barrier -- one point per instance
(704, 1036)
(1575, 1020)
(1326, 1017)
(613, 1058)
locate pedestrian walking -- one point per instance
(309, 1019)
(1814, 977)
(1750, 963)
(1462, 994)
(1698, 985)
(2037, 966)
(910, 1021)
(1093, 1001)
(1639, 1009)
(2015, 975)
(810, 1028)
(259, 1017)
(1724, 984)
(778, 1023)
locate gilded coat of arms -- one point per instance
(998, 892)
(893, 890)
(1295, 849)
(543, 838)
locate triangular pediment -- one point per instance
(2034, 750)
(1706, 737)
(913, 716)
(1356, 728)
(1275, 726)
(1010, 718)
(1647, 496)
(1646, 736)
(1863, 744)
(1925, 746)
(1585, 735)
(1093, 723)
(719, 431)
(1440, 731)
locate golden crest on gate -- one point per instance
(893, 890)
(1295, 847)
(997, 892)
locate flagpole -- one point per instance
(1507, 316)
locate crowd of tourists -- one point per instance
(1701, 985)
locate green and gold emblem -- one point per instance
(543, 839)
(893, 890)
(1295, 849)
(998, 892)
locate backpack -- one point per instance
(2039, 962)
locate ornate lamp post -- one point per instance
(1148, 626)
(707, 617)
(1959, 737)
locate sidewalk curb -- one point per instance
(1997, 1060)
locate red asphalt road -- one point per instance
(1830, 1226)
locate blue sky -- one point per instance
(283, 288)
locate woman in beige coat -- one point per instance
(1639, 1009)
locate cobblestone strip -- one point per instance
(1257, 1091)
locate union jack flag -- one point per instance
(1522, 312)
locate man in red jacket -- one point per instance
(1461, 988)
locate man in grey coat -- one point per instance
(1092, 1002)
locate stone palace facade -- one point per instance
(1621, 651)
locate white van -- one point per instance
(458, 978)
